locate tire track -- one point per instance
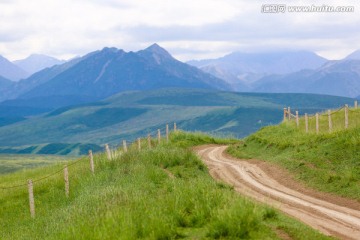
(249, 179)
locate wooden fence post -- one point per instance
(66, 178)
(306, 123)
(289, 113)
(175, 127)
(297, 118)
(330, 121)
(149, 141)
(125, 146)
(167, 133)
(317, 123)
(159, 136)
(355, 104)
(139, 144)
(108, 153)
(346, 116)
(285, 110)
(31, 198)
(91, 161)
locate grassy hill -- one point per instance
(132, 114)
(328, 161)
(160, 193)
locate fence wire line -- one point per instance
(43, 178)
(323, 114)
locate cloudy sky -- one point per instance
(188, 29)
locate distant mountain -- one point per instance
(354, 56)
(103, 73)
(37, 62)
(242, 69)
(11, 71)
(340, 78)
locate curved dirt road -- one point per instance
(249, 179)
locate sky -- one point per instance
(188, 29)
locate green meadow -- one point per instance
(160, 193)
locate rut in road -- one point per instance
(249, 179)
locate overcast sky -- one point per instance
(188, 29)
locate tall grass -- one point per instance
(159, 193)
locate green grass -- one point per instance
(134, 197)
(14, 162)
(326, 161)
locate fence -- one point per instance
(110, 154)
(329, 121)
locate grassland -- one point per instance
(14, 162)
(160, 193)
(328, 161)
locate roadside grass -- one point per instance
(328, 161)
(160, 193)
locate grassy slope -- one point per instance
(327, 161)
(131, 114)
(133, 197)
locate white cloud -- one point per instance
(188, 28)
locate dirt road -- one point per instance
(251, 178)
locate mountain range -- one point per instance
(103, 73)
(287, 72)
(242, 69)
(111, 70)
(340, 78)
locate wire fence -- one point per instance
(153, 138)
(338, 119)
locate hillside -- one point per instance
(131, 114)
(160, 193)
(326, 161)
